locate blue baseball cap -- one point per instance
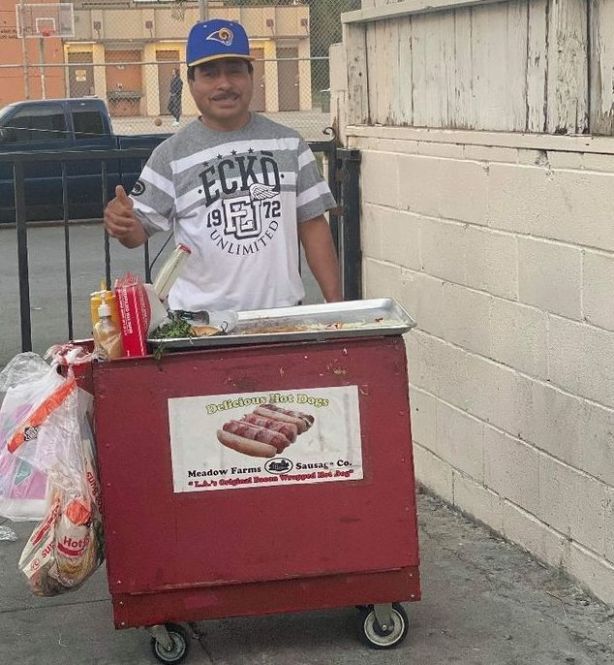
(216, 39)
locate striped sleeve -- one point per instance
(314, 197)
(154, 192)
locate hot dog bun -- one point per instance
(245, 446)
(205, 331)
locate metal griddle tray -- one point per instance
(339, 320)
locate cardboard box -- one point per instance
(134, 314)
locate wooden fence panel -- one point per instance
(465, 98)
(515, 65)
(358, 84)
(489, 67)
(537, 65)
(566, 44)
(404, 109)
(419, 38)
(456, 58)
(601, 31)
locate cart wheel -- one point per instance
(179, 650)
(372, 633)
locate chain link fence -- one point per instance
(126, 54)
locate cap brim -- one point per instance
(221, 56)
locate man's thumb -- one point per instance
(120, 193)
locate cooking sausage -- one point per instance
(245, 446)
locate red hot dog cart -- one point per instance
(199, 525)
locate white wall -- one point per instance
(501, 245)
(505, 257)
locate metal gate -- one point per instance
(342, 168)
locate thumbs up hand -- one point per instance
(123, 199)
(120, 221)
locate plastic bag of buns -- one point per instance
(67, 546)
(55, 437)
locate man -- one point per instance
(237, 188)
(174, 100)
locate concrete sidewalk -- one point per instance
(484, 603)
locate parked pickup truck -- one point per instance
(81, 125)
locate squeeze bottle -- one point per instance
(170, 271)
(107, 336)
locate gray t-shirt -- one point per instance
(235, 198)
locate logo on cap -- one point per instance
(223, 36)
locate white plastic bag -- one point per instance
(24, 382)
(22, 490)
(45, 425)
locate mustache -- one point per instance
(225, 95)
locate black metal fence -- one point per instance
(341, 167)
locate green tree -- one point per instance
(325, 18)
(325, 29)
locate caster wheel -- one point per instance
(179, 649)
(376, 638)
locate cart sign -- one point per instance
(265, 439)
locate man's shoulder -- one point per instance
(182, 143)
(184, 138)
(274, 129)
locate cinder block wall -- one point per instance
(502, 248)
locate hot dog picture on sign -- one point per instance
(265, 432)
(265, 439)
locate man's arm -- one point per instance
(317, 241)
(121, 222)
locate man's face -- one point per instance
(223, 90)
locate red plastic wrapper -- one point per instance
(134, 314)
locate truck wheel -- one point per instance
(376, 638)
(179, 649)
